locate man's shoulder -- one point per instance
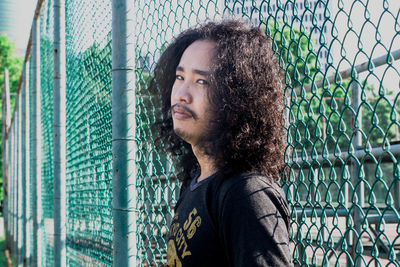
(253, 190)
(245, 183)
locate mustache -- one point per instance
(186, 109)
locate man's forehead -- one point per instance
(197, 57)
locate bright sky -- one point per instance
(25, 10)
(376, 36)
(386, 22)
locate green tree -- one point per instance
(295, 50)
(324, 119)
(380, 117)
(9, 61)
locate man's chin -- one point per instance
(183, 135)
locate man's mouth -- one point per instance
(182, 112)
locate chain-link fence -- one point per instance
(339, 61)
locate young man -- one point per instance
(222, 106)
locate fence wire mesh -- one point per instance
(30, 178)
(157, 187)
(342, 125)
(46, 81)
(339, 61)
(89, 170)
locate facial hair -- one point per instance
(188, 110)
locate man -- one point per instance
(222, 106)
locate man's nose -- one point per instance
(183, 93)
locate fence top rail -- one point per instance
(394, 149)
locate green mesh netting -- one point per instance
(342, 123)
(89, 169)
(339, 61)
(46, 82)
(158, 189)
(30, 145)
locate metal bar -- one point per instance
(38, 10)
(19, 181)
(123, 134)
(349, 237)
(374, 217)
(358, 153)
(14, 178)
(11, 175)
(5, 147)
(36, 147)
(397, 194)
(12, 187)
(9, 185)
(10, 199)
(59, 161)
(377, 62)
(356, 171)
(26, 170)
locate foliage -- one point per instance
(324, 119)
(14, 66)
(10, 62)
(3, 259)
(296, 53)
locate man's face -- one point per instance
(189, 98)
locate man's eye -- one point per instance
(178, 77)
(202, 82)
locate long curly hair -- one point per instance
(246, 99)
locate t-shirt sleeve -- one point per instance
(254, 224)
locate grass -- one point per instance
(3, 246)
(3, 260)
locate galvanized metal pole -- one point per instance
(6, 119)
(16, 179)
(26, 170)
(11, 190)
(36, 147)
(123, 133)
(346, 178)
(9, 185)
(357, 172)
(15, 192)
(11, 181)
(14, 186)
(19, 180)
(59, 107)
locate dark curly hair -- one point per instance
(246, 97)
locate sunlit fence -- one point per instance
(85, 185)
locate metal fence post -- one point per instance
(19, 180)
(11, 189)
(14, 186)
(11, 181)
(5, 147)
(123, 133)
(357, 171)
(26, 162)
(59, 106)
(349, 235)
(36, 146)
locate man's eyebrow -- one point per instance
(200, 72)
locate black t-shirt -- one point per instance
(240, 221)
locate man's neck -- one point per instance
(207, 165)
